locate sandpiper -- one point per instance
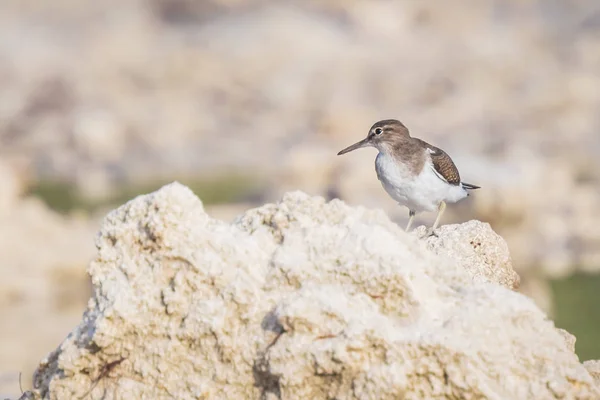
(416, 174)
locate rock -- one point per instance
(569, 339)
(476, 247)
(593, 367)
(302, 299)
(28, 396)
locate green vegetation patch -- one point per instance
(59, 196)
(577, 309)
(217, 189)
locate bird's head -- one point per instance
(382, 135)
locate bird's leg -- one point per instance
(411, 217)
(441, 209)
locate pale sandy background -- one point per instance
(243, 100)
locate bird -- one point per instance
(414, 173)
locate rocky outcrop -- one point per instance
(475, 247)
(593, 366)
(303, 299)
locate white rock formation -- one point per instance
(593, 366)
(303, 299)
(468, 245)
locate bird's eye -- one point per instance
(378, 131)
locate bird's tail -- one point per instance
(470, 186)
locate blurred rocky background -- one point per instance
(243, 100)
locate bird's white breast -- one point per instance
(419, 192)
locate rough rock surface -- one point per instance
(300, 299)
(477, 248)
(593, 366)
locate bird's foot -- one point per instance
(429, 233)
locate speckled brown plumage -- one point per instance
(442, 163)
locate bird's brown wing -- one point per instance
(443, 165)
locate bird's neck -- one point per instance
(391, 148)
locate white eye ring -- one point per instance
(378, 131)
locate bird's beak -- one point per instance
(363, 143)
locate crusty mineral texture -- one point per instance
(477, 248)
(593, 366)
(304, 299)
